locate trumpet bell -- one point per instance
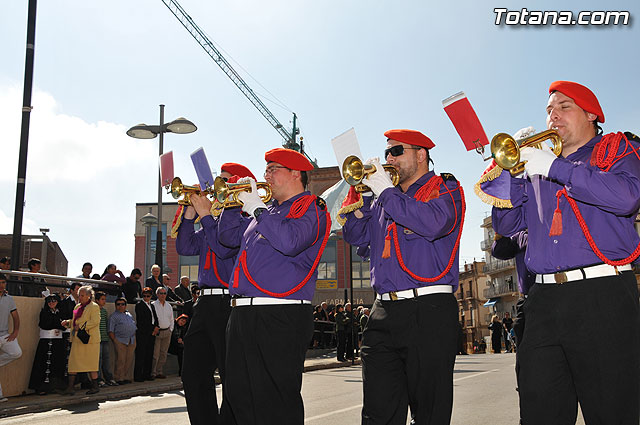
(505, 150)
(227, 193)
(354, 170)
(177, 189)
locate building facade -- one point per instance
(37, 246)
(502, 280)
(471, 304)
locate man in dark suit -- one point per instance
(147, 323)
(187, 308)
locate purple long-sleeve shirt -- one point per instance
(202, 242)
(515, 247)
(608, 202)
(427, 232)
(280, 251)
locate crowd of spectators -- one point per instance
(77, 333)
(65, 358)
(337, 326)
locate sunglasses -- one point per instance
(146, 296)
(119, 304)
(396, 150)
(162, 293)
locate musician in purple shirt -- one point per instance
(413, 231)
(580, 210)
(204, 342)
(274, 279)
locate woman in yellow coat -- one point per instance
(84, 357)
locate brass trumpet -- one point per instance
(354, 171)
(227, 193)
(178, 189)
(506, 151)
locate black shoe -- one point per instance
(95, 388)
(126, 381)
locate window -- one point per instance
(360, 271)
(189, 267)
(327, 265)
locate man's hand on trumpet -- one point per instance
(251, 201)
(378, 181)
(200, 204)
(537, 161)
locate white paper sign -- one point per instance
(345, 145)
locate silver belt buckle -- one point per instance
(560, 277)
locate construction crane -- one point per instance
(202, 39)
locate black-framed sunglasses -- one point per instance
(119, 304)
(396, 150)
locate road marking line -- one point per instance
(335, 412)
(475, 374)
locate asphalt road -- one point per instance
(484, 393)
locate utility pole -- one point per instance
(16, 258)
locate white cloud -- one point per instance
(83, 180)
(64, 148)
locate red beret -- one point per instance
(411, 137)
(237, 170)
(583, 97)
(289, 158)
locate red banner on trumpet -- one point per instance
(465, 121)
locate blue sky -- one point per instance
(101, 67)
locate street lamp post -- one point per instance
(148, 220)
(143, 131)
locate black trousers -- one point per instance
(143, 356)
(266, 347)
(342, 344)
(204, 352)
(581, 344)
(408, 352)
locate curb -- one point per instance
(35, 404)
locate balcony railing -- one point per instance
(499, 265)
(485, 245)
(499, 289)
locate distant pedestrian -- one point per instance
(163, 337)
(85, 356)
(9, 348)
(147, 322)
(105, 374)
(177, 344)
(131, 288)
(496, 334)
(122, 331)
(47, 372)
(507, 324)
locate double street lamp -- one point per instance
(143, 131)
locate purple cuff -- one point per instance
(561, 170)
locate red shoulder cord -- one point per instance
(427, 192)
(604, 156)
(297, 210)
(211, 258)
